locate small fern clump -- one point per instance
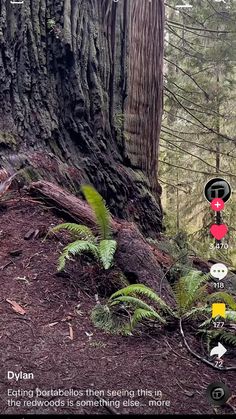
(227, 334)
(142, 303)
(130, 300)
(101, 247)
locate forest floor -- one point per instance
(57, 342)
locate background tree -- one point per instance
(198, 131)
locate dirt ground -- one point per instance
(56, 342)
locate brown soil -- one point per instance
(39, 341)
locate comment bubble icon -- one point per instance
(219, 271)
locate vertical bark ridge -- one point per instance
(144, 100)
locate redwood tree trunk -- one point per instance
(81, 98)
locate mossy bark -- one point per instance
(69, 81)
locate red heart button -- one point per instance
(219, 231)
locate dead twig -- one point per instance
(16, 200)
(228, 403)
(31, 257)
(178, 354)
(199, 356)
(6, 265)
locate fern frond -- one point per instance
(79, 230)
(135, 302)
(141, 289)
(76, 248)
(106, 250)
(206, 323)
(222, 297)
(142, 314)
(189, 289)
(231, 315)
(228, 337)
(103, 317)
(197, 312)
(101, 212)
(222, 335)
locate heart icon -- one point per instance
(219, 231)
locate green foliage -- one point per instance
(231, 315)
(142, 303)
(51, 24)
(189, 290)
(215, 335)
(75, 249)
(197, 312)
(79, 230)
(141, 314)
(100, 210)
(199, 121)
(138, 309)
(102, 250)
(110, 321)
(141, 289)
(106, 250)
(179, 249)
(227, 337)
(223, 297)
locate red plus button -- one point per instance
(217, 204)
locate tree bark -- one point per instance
(81, 98)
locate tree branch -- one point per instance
(211, 150)
(179, 87)
(205, 126)
(194, 103)
(173, 186)
(188, 75)
(198, 29)
(193, 170)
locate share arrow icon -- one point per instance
(218, 350)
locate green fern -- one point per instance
(100, 210)
(78, 230)
(141, 314)
(141, 289)
(189, 290)
(76, 248)
(106, 250)
(222, 296)
(107, 317)
(140, 310)
(192, 301)
(231, 315)
(133, 301)
(228, 337)
(220, 334)
(103, 317)
(197, 312)
(102, 251)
